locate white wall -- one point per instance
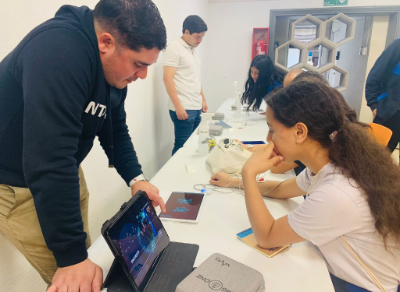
(229, 39)
(148, 120)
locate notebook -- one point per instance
(247, 236)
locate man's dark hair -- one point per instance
(133, 23)
(194, 24)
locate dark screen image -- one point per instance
(140, 238)
(184, 206)
(253, 142)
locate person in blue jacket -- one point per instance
(61, 87)
(382, 91)
(262, 79)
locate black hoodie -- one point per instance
(382, 89)
(54, 101)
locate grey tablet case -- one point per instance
(220, 273)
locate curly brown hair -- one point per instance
(354, 149)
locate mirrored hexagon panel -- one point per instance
(306, 29)
(337, 78)
(321, 54)
(340, 29)
(289, 54)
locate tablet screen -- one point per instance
(140, 237)
(253, 142)
(185, 206)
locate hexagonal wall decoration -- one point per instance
(341, 79)
(348, 22)
(326, 53)
(284, 63)
(325, 45)
(306, 67)
(310, 19)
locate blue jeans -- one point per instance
(184, 128)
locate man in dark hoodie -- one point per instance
(382, 91)
(62, 86)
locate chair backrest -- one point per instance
(381, 133)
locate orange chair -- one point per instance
(381, 133)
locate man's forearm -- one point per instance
(171, 90)
(202, 95)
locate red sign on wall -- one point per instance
(260, 43)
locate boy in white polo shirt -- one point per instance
(182, 79)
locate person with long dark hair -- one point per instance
(262, 80)
(352, 211)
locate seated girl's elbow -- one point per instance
(263, 245)
(263, 242)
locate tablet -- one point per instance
(223, 124)
(137, 239)
(253, 142)
(184, 207)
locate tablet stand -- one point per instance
(175, 265)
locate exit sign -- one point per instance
(336, 2)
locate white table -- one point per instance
(250, 126)
(298, 268)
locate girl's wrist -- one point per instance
(248, 173)
(235, 183)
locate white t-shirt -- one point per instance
(187, 78)
(336, 207)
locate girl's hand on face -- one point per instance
(262, 160)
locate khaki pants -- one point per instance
(20, 224)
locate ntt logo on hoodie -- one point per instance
(93, 108)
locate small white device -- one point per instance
(204, 136)
(218, 116)
(216, 130)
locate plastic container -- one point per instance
(204, 135)
(238, 104)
